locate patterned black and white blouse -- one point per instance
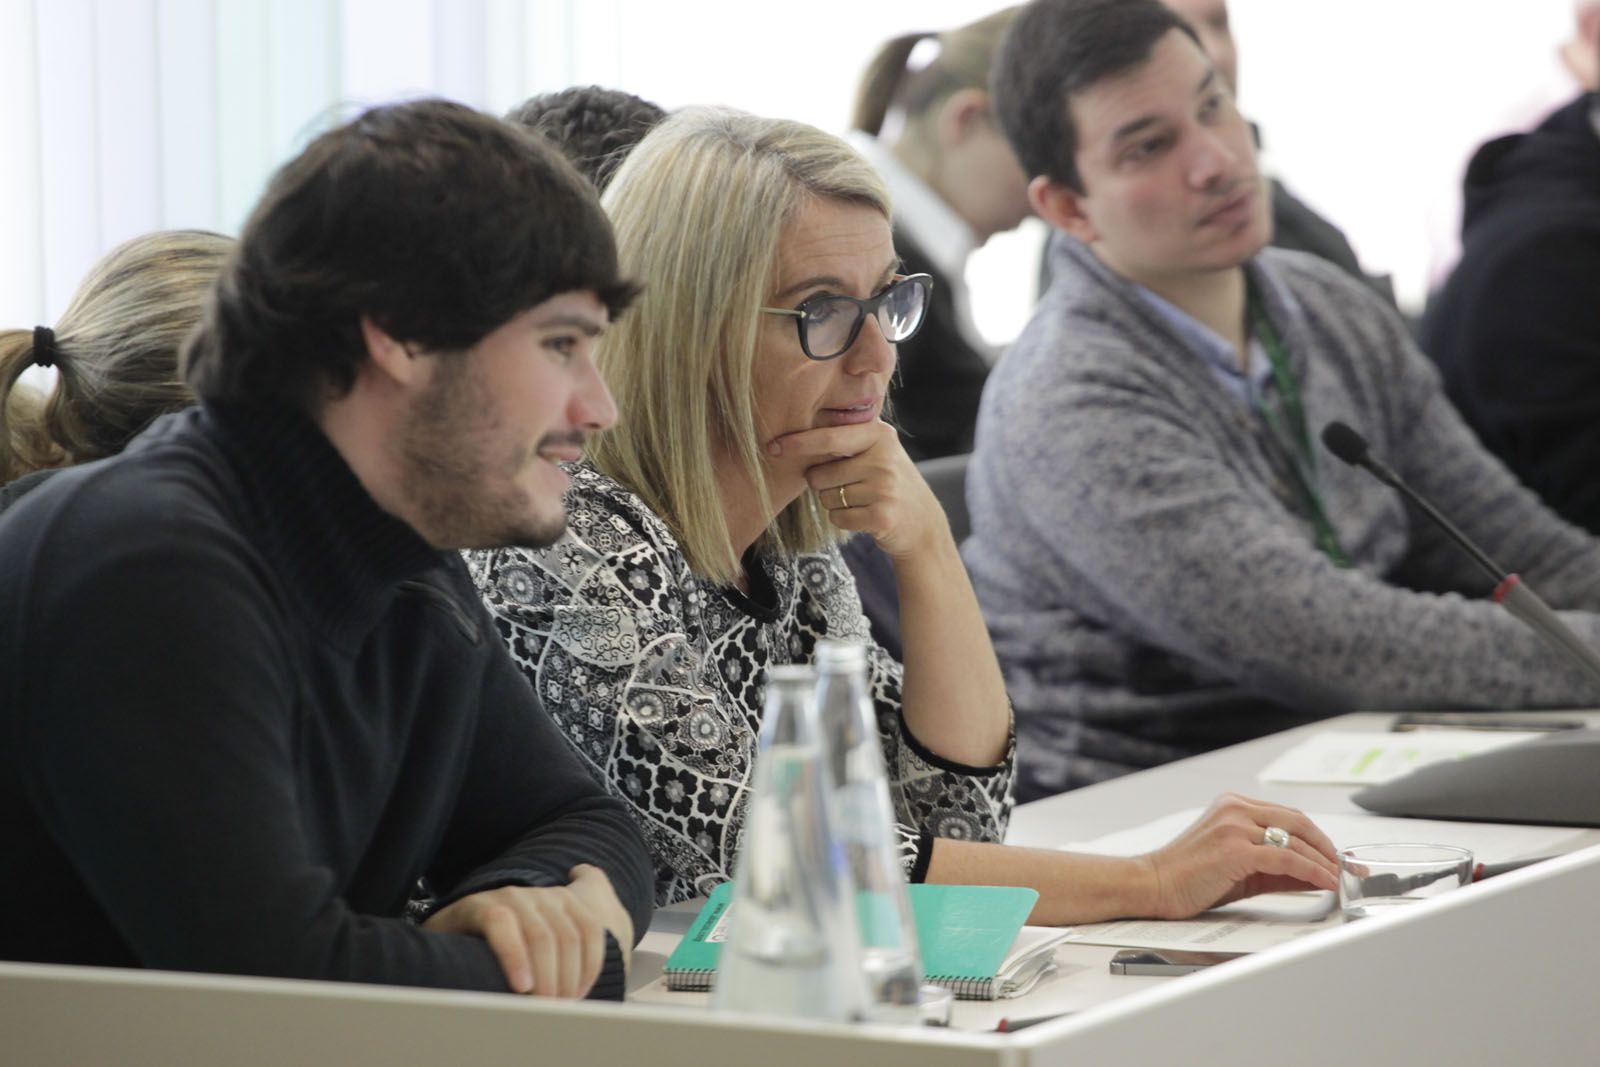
(656, 676)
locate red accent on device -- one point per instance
(1503, 590)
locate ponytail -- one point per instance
(881, 83)
(25, 443)
(115, 350)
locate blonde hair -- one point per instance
(699, 209)
(962, 61)
(115, 353)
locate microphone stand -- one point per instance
(1510, 591)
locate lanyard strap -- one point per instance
(1298, 435)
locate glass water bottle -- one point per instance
(792, 947)
(864, 823)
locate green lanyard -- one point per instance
(1301, 457)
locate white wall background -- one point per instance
(122, 116)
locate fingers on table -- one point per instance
(548, 944)
(1308, 855)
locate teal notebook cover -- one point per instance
(965, 933)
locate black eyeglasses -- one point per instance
(829, 325)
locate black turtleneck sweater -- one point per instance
(243, 710)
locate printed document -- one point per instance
(1369, 758)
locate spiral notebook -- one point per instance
(972, 937)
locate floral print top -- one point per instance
(656, 676)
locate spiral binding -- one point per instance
(700, 981)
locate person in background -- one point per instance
(115, 352)
(249, 692)
(1571, 68)
(1167, 560)
(701, 549)
(1294, 224)
(1516, 331)
(593, 126)
(923, 119)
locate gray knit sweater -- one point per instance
(1151, 594)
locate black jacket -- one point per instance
(243, 710)
(934, 397)
(1516, 328)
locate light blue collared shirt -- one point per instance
(1250, 390)
(1203, 341)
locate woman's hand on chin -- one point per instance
(863, 477)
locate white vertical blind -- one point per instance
(68, 160)
(460, 36)
(187, 123)
(21, 227)
(127, 106)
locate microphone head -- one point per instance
(1345, 443)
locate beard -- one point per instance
(460, 468)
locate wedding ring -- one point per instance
(843, 502)
(1276, 836)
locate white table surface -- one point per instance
(1083, 979)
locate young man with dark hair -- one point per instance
(1166, 559)
(249, 694)
(593, 126)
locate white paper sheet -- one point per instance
(1261, 922)
(1367, 758)
(1489, 842)
(1242, 927)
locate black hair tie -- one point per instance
(44, 346)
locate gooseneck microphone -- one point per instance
(1510, 591)
(1351, 447)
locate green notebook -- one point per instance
(972, 938)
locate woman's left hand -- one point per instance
(863, 477)
(1228, 855)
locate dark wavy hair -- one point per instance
(437, 222)
(595, 127)
(1057, 48)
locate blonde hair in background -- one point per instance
(902, 104)
(116, 353)
(699, 209)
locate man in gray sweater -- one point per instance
(1167, 561)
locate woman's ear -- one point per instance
(961, 115)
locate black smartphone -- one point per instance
(1167, 960)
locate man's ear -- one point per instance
(1062, 207)
(961, 113)
(388, 357)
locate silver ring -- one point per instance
(843, 501)
(1276, 837)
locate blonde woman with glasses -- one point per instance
(701, 547)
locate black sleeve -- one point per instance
(528, 801)
(1517, 336)
(161, 760)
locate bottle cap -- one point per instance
(933, 1005)
(831, 653)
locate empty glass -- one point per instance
(1374, 879)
